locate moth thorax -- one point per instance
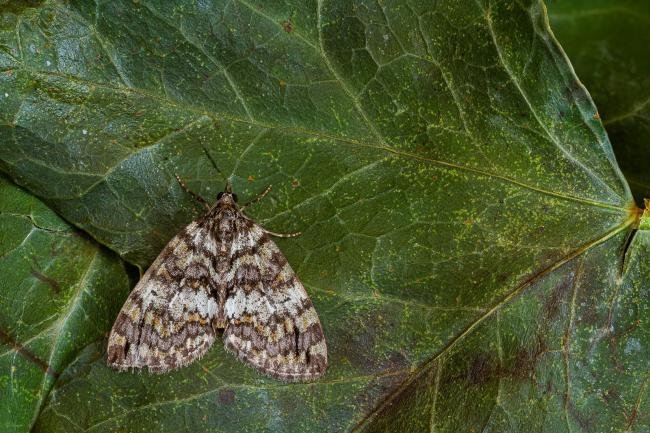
(225, 229)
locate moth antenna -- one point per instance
(197, 197)
(214, 165)
(257, 198)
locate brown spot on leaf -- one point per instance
(226, 396)
(54, 285)
(527, 358)
(26, 353)
(287, 26)
(559, 293)
(360, 348)
(360, 342)
(611, 395)
(481, 370)
(485, 368)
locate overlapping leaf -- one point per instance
(58, 292)
(607, 42)
(463, 216)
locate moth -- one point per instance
(221, 272)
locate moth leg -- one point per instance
(259, 197)
(282, 235)
(192, 193)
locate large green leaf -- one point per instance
(569, 355)
(607, 42)
(59, 291)
(463, 216)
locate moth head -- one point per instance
(226, 196)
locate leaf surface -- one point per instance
(447, 171)
(59, 290)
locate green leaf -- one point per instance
(570, 355)
(463, 216)
(58, 291)
(607, 42)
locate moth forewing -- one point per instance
(166, 322)
(272, 324)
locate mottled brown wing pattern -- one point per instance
(166, 322)
(221, 271)
(271, 322)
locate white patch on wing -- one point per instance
(200, 303)
(212, 307)
(296, 293)
(235, 304)
(290, 300)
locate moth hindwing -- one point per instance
(220, 272)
